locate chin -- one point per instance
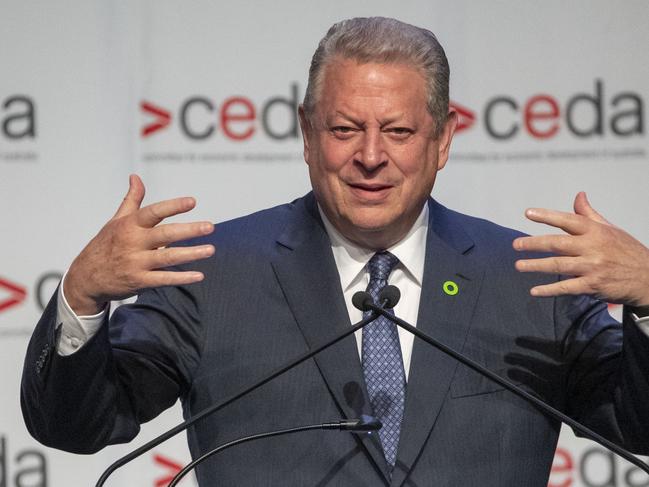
(377, 233)
(367, 221)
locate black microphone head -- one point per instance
(389, 295)
(361, 299)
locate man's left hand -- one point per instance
(602, 259)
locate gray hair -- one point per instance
(385, 41)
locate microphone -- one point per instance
(363, 424)
(388, 297)
(545, 408)
(362, 300)
(235, 397)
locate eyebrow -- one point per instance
(349, 118)
(356, 121)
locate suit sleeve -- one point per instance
(136, 366)
(608, 371)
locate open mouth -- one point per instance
(370, 186)
(370, 190)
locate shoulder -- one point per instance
(488, 244)
(483, 234)
(255, 229)
(255, 239)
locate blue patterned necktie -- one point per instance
(382, 362)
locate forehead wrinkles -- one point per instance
(384, 92)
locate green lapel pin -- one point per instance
(451, 288)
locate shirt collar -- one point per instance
(352, 259)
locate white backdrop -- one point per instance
(555, 98)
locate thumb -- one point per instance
(582, 207)
(133, 198)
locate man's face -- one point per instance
(371, 149)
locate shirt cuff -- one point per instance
(642, 323)
(75, 330)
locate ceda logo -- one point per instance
(589, 114)
(234, 118)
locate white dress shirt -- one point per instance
(407, 275)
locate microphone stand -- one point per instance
(366, 304)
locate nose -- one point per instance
(371, 155)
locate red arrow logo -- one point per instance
(162, 118)
(16, 296)
(465, 117)
(172, 470)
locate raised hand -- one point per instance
(603, 260)
(129, 253)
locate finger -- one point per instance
(572, 286)
(557, 244)
(568, 222)
(133, 198)
(161, 258)
(551, 265)
(171, 278)
(151, 215)
(174, 232)
(582, 207)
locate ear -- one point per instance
(307, 131)
(445, 138)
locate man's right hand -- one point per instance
(129, 253)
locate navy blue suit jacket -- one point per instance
(272, 291)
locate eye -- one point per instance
(343, 131)
(400, 132)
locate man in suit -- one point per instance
(377, 128)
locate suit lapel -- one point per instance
(444, 316)
(306, 270)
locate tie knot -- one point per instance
(380, 265)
